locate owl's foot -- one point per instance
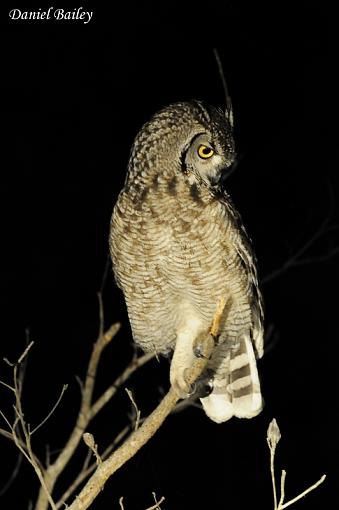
(201, 343)
(191, 334)
(204, 384)
(179, 382)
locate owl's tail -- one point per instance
(238, 393)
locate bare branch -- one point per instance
(111, 391)
(89, 441)
(6, 420)
(64, 388)
(125, 452)
(87, 470)
(137, 411)
(273, 438)
(53, 471)
(86, 414)
(27, 449)
(157, 503)
(149, 426)
(153, 507)
(7, 385)
(282, 487)
(24, 354)
(320, 258)
(9, 435)
(303, 494)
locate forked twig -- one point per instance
(147, 429)
(273, 437)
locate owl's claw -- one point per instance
(198, 352)
(180, 385)
(199, 345)
(200, 389)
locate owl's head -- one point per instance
(210, 153)
(189, 138)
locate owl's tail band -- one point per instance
(238, 393)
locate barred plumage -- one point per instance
(178, 245)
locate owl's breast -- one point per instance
(169, 239)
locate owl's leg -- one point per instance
(189, 329)
(199, 344)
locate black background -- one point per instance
(73, 97)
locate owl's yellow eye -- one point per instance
(205, 152)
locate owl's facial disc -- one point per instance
(205, 161)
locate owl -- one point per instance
(178, 247)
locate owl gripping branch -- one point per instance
(151, 424)
(21, 434)
(178, 247)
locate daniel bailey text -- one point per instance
(77, 14)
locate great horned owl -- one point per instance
(178, 246)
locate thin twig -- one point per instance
(89, 441)
(110, 392)
(314, 486)
(20, 431)
(24, 354)
(9, 435)
(282, 488)
(137, 411)
(6, 420)
(157, 503)
(145, 432)
(93, 410)
(273, 479)
(125, 452)
(53, 471)
(273, 438)
(19, 419)
(7, 386)
(64, 388)
(87, 470)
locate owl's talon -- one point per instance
(193, 389)
(199, 345)
(198, 353)
(181, 386)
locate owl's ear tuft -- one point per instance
(229, 113)
(228, 105)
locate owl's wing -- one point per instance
(257, 329)
(249, 262)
